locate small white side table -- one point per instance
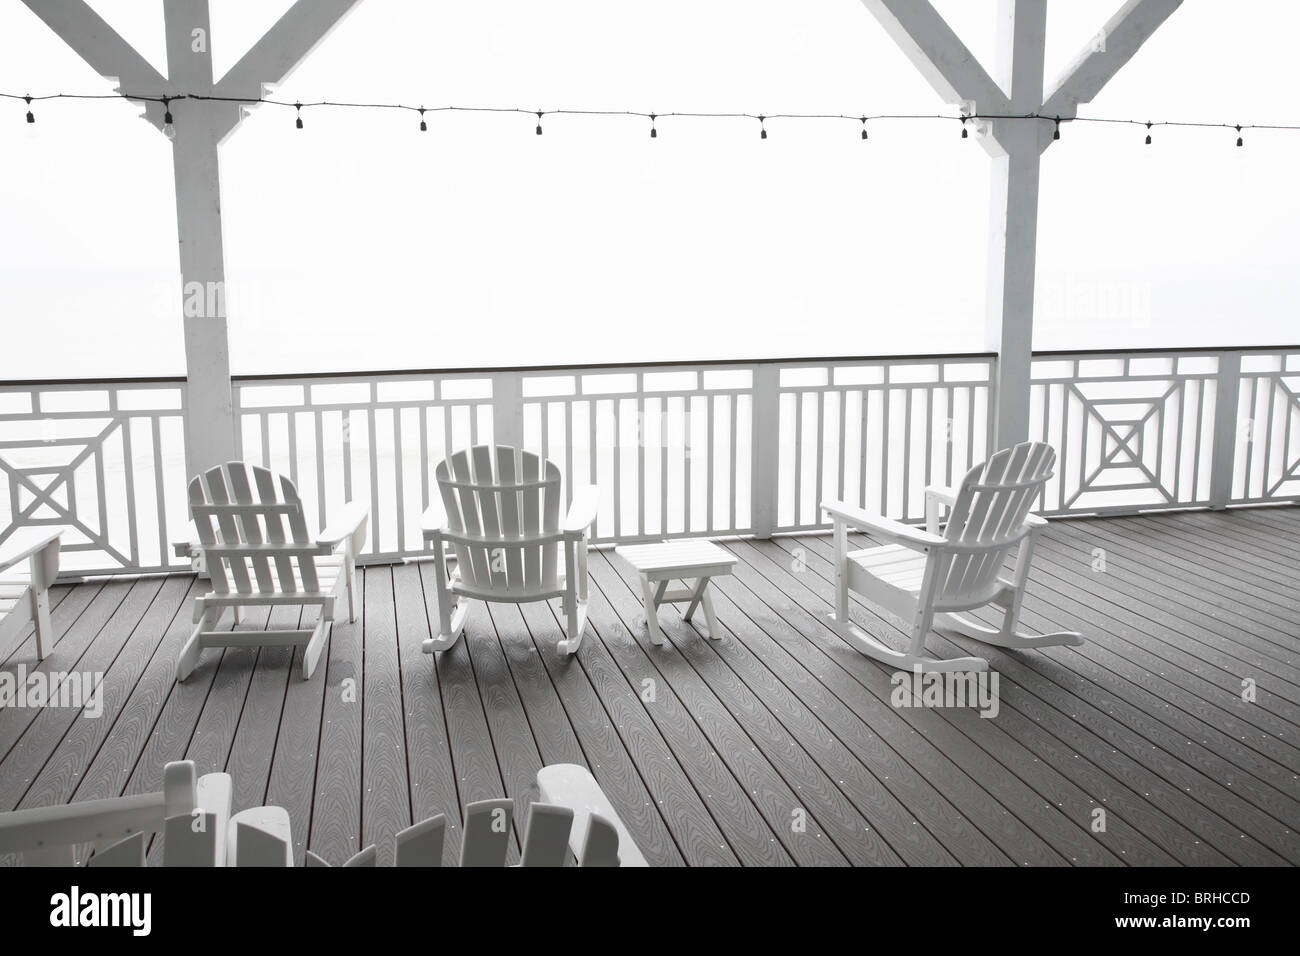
(683, 560)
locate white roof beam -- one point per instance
(272, 58)
(938, 53)
(91, 38)
(1112, 47)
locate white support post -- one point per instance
(765, 449)
(508, 409)
(1227, 431)
(201, 125)
(1016, 146)
(1013, 216)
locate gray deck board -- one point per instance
(1146, 720)
(386, 796)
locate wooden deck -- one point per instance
(777, 745)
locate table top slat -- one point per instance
(680, 555)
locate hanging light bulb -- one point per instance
(169, 128)
(539, 123)
(31, 117)
(654, 132)
(762, 130)
(1239, 142)
(864, 127)
(964, 133)
(298, 107)
(1056, 133)
(1148, 132)
(424, 127)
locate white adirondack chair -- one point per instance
(257, 552)
(926, 577)
(29, 562)
(500, 516)
(190, 813)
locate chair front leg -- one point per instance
(575, 593)
(350, 569)
(841, 543)
(582, 569)
(440, 586)
(1011, 615)
(41, 579)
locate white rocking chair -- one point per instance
(500, 515)
(925, 577)
(29, 563)
(255, 547)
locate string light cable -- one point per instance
(655, 118)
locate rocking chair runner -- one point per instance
(500, 515)
(925, 577)
(254, 544)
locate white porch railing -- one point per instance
(695, 449)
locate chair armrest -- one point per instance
(582, 510)
(348, 524)
(25, 543)
(186, 547)
(1035, 521)
(893, 531)
(434, 519)
(942, 493)
(937, 496)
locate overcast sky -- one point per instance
(360, 243)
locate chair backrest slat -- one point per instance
(218, 492)
(532, 522)
(989, 513)
(550, 519)
(546, 839)
(487, 497)
(274, 520)
(487, 833)
(250, 527)
(511, 525)
(477, 569)
(298, 529)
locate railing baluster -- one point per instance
(734, 475)
(616, 452)
(642, 437)
(884, 444)
(128, 469)
(398, 468)
(797, 515)
(292, 426)
(372, 439)
(424, 458)
(160, 500)
(708, 465)
(318, 421)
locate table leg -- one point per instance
(715, 633)
(651, 618)
(700, 585)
